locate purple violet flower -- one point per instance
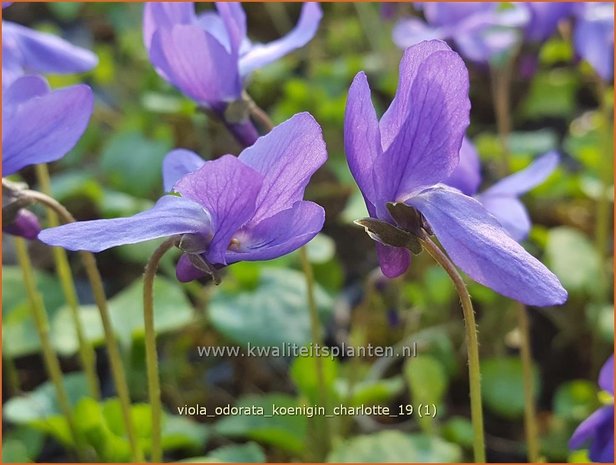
(480, 30)
(232, 209)
(598, 429)
(26, 51)
(544, 18)
(593, 36)
(39, 126)
(404, 157)
(501, 199)
(208, 56)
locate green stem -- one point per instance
(321, 423)
(501, 96)
(472, 345)
(87, 355)
(113, 350)
(603, 225)
(603, 221)
(530, 413)
(151, 356)
(501, 80)
(52, 363)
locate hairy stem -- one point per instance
(321, 424)
(87, 355)
(52, 363)
(151, 356)
(472, 345)
(113, 350)
(530, 413)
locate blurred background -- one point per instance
(116, 171)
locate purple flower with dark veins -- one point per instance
(598, 429)
(209, 56)
(501, 199)
(401, 161)
(26, 51)
(479, 30)
(39, 126)
(231, 209)
(593, 36)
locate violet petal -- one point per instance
(170, 216)
(477, 243)
(227, 189)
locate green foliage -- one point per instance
(286, 432)
(18, 331)
(302, 373)
(573, 259)
(274, 313)
(502, 386)
(393, 447)
(172, 311)
(129, 156)
(244, 453)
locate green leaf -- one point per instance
(172, 311)
(552, 93)
(321, 249)
(572, 257)
(95, 431)
(14, 451)
(129, 156)
(459, 430)
(236, 453)
(41, 403)
(601, 318)
(370, 392)
(303, 373)
(286, 432)
(427, 379)
(502, 386)
(18, 329)
(273, 314)
(533, 142)
(183, 433)
(82, 184)
(395, 447)
(21, 444)
(575, 400)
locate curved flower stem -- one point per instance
(321, 423)
(113, 350)
(530, 413)
(52, 363)
(151, 357)
(87, 355)
(472, 345)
